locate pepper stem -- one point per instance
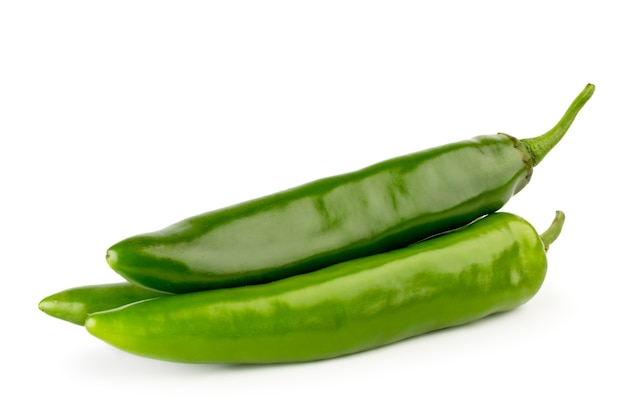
(549, 236)
(539, 146)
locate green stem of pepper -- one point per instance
(549, 236)
(539, 146)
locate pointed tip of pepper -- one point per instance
(44, 305)
(98, 326)
(50, 305)
(111, 257)
(55, 306)
(90, 324)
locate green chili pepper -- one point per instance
(495, 264)
(374, 210)
(75, 304)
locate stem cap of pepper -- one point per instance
(538, 147)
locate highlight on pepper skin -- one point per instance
(111, 258)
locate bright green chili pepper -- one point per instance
(75, 304)
(377, 209)
(495, 264)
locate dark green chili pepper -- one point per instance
(495, 264)
(374, 210)
(75, 304)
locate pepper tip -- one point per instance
(111, 257)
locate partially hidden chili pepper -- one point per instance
(373, 210)
(75, 304)
(494, 264)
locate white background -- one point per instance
(121, 117)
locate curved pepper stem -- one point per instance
(549, 236)
(539, 146)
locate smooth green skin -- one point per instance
(75, 304)
(494, 264)
(382, 207)
(332, 220)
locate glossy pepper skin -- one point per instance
(495, 264)
(373, 210)
(75, 304)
